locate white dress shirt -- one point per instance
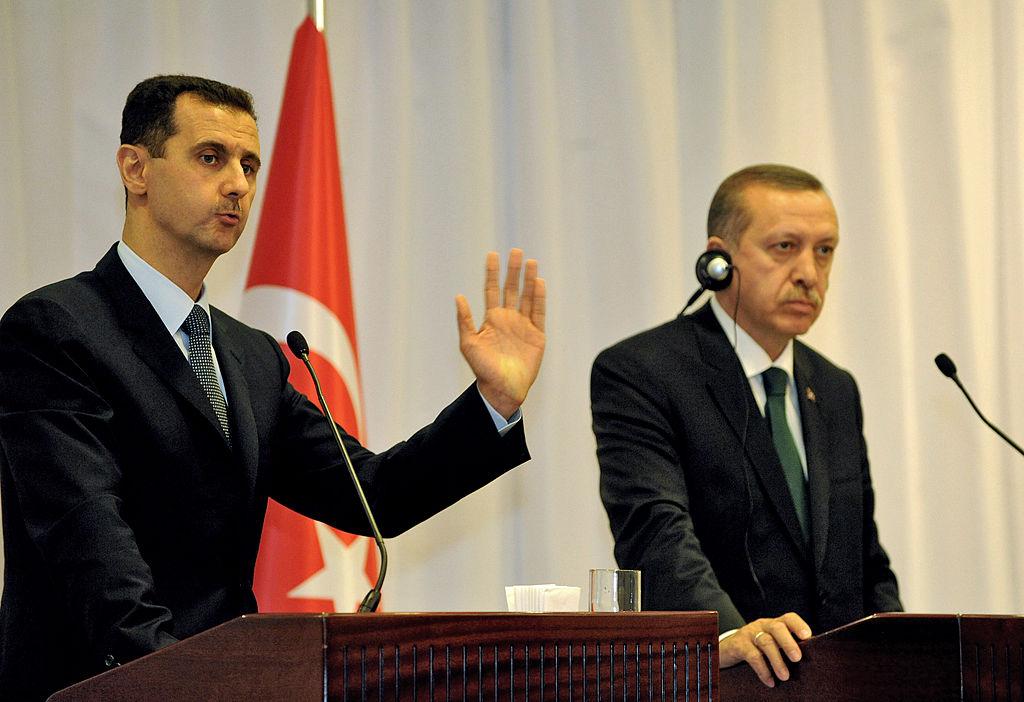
(755, 361)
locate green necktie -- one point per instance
(775, 382)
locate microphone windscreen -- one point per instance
(297, 343)
(946, 365)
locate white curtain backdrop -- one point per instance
(592, 134)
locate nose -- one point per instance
(235, 185)
(805, 269)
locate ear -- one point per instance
(131, 164)
(717, 242)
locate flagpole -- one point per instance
(316, 11)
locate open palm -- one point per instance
(505, 352)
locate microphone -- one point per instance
(948, 369)
(714, 272)
(299, 347)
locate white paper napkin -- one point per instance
(542, 598)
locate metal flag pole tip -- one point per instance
(316, 11)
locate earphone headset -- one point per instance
(714, 269)
(714, 272)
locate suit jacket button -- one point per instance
(110, 661)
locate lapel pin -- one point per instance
(809, 394)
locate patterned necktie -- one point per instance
(775, 382)
(200, 357)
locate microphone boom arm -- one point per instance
(991, 426)
(948, 368)
(371, 601)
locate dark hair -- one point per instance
(148, 117)
(728, 216)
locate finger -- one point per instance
(491, 295)
(756, 661)
(765, 643)
(464, 317)
(515, 263)
(783, 637)
(539, 312)
(797, 625)
(526, 303)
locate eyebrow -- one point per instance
(221, 149)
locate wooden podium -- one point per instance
(428, 657)
(906, 657)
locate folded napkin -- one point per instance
(542, 598)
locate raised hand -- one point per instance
(506, 351)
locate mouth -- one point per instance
(804, 306)
(229, 218)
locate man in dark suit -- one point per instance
(733, 464)
(143, 431)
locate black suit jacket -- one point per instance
(128, 522)
(696, 496)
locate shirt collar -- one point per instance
(172, 304)
(754, 359)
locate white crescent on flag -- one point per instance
(278, 310)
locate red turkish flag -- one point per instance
(299, 279)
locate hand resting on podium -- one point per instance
(762, 643)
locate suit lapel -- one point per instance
(150, 340)
(167, 361)
(815, 430)
(730, 389)
(230, 357)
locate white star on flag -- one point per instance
(343, 578)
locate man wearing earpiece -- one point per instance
(733, 463)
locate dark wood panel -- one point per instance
(377, 657)
(993, 658)
(499, 656)
(883, 657)
(270, 658)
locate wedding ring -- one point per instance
(759, 635)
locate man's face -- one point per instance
(783, 259)
(199, 192)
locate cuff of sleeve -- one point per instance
(500, 423)
(726, 634)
